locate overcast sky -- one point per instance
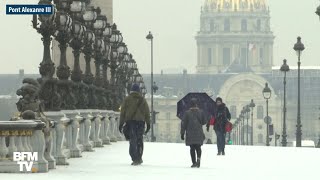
(174, 24)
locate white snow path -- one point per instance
(164, 161)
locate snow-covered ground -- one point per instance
(163, 161)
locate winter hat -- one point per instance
(193, 102)
(219, 99)
(135, 88)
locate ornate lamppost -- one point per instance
(77, 9)
(252, 105)
(105, 63)
(64, 28)
(241, 117)
(267, 95)
(99, 27)
(239, 130)
(89, 17)
(153, 138)
(298, 47)
(115, 40)
(247, 111)
(48, 91)
(284, 68)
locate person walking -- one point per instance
(191, 125)
(222, 115)
(133, 117)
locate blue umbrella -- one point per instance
(204, 102)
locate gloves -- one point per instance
(208, 126)
(148, 128)
(182, 137)
(120, 127)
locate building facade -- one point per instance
(235, 60)
(234, 32)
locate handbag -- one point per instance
(125, 128)
(228, 126)
(212, 121)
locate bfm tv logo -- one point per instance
(26, 159)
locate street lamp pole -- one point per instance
(284, 68)
(247, 116)
(252, 105)
(267, 95)
(153, 138)
(298, 47)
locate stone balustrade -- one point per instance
(21, 136)
(73, 132)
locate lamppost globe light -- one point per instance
(90, 14)
(149, 36)
(266, 92)
(76, 6)
(284, 67)
(252, 104)
(299, 46)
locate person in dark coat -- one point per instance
(191, 125)
(222, 115)
(135, 114)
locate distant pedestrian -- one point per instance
(134, 115)
(191, 125)
(222, 115)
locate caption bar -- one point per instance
(28, 9)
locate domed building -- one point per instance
(235, 60)
(234, 35)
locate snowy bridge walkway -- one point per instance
(165, 161)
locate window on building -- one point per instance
(226, 56)
(168, 116)
(233, 111)
(244, 25)
(209, 56)
(243, 58)
(258, 25)
(211, 25)
(260, 112)
(227, 25)
(260, 138)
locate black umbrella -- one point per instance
(204, 102)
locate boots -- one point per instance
(198, 162)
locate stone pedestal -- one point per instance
(72, 132)
(96, 125)
(113, 127)
(117, 132)
(105, 127)
(58, 136)
(85, 128)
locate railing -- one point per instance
(72, 133)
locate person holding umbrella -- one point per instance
(221, 117)
(191, 125)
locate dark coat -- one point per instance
(191, 124)
(130, 105)
(222, 115)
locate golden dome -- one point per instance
(235, 5)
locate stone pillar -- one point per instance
(38, 144)
(72, 133)
(113, 128)
(96, 124)
(85, 127)
(58, 135)
(105, 127)
(118, 134)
